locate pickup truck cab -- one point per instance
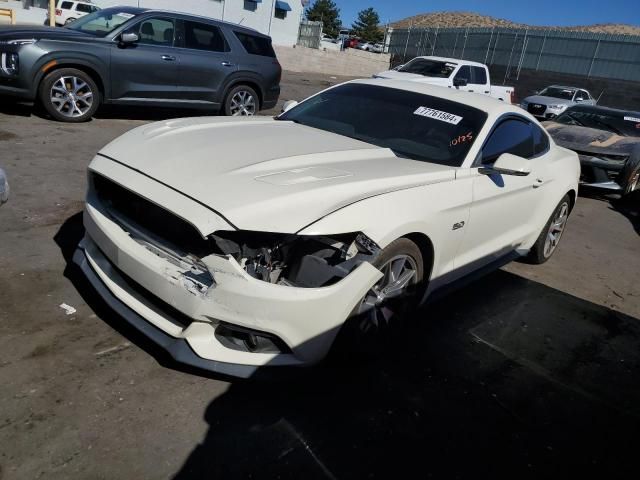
(450, 72)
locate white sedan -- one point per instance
(239, 243)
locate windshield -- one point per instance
(555, 92)
(101, 23)
(413, 125)
(622, 123)
(429, 68)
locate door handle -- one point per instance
(539, 182)
(227, 64)
(168, 58)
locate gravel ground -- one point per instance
(530, 371)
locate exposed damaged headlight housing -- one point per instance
(9, 63)
(297, 260)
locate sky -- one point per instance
(532, 12)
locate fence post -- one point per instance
(525, 43)
(506, 72)
(544, 39)
(433, 48)
(593, 59)
(466, 35)
(493, 54)
(489, 45)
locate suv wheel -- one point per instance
(69, 95)
(241, 101)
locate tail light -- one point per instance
(513, 96)
(58, 11)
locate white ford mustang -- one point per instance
(238, 243)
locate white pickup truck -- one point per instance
(452, 73)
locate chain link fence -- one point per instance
(576, 53)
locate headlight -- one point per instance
(561, 106)
(306, 261)
(9, 63)
(524, 105)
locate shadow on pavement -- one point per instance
(629, 206)
(505, 377)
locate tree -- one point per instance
(366, 26)
(328, 13)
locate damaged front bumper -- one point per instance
(207, 324)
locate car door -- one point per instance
(464, 73)
(504, 211)
(479, 81)
(205, 61)
(147, 69)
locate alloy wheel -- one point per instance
(71, 96)
(243, 104)
(385, 300)
(555, 229)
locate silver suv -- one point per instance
(552, 101)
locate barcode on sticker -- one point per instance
(632, 119)
(438, 115)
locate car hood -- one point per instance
(15, 32)
(394, 74)
(547, 100)
(592, 140)
(266, 175)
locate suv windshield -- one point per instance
(101, 23)
(429, 68)
(413, 125)
(619, 122)
(555, 92)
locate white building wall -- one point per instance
(262, 18)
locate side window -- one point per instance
(81, 7)
(66, 5)
(201, 36)
(256, 45)
(155, 31)
(479, 76)
(464, 72)
(582, 95)
(511, 136)
(540, 140)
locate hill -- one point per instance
(470, 19)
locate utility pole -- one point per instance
(52, 13)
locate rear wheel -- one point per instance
(69, 95)
(550, 236)
(383, 312)
(241, 100)
(631, 174)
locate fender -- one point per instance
(241, 77)
(70, 59)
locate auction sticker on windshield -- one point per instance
(438, 115)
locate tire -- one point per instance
(630, 174)
(69, 20)
(372, 328)
(69, 95)
(546, 245)
(242, 100)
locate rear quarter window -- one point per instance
(66, 5)
(201, 36)
(256, 45)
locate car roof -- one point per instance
(481, 102)
(125, 9)
(452, 60)
(610, 110)
(564, 87)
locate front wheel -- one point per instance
(241, 101)
(383, 312)
(549, 238)
(69, 95)
(631, 174)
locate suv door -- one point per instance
(505, 208)
(464, 73)
(148, 69)
(205, 61)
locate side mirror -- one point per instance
(508, 164)
(580, 99)
(128, 38)
(399, 67)
(460, 82)
(288, 105)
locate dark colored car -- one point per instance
(134, 56)
(607, 141)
